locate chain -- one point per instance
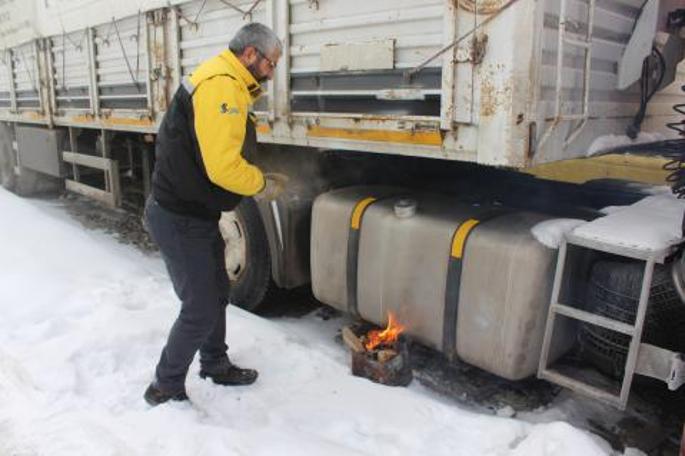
(123, 52)
(28, 70)
(193, 22)
(64, 62)
(246, 14)
(138, 46)
(408, 74)
(78, 46)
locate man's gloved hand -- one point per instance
(275, 184)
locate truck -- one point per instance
(398, 130)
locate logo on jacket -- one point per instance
(226, 110)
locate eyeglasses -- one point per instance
(271, 63)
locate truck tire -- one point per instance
(7, 177)
(248, 260)
(614, 292)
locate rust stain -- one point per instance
(125, 121)
(481, 6)
(494, 94)
(34, 115)
(480, 44)
(264, 129)
(83, 119)
(158, 51)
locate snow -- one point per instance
(608, 142)
(550, 232)
(651, 224)
(83, 321)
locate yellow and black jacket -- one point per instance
(204, 137)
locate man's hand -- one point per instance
(275, 184)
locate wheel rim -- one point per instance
(233, 232)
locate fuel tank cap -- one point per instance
(405, 207)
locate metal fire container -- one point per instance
(393, 372)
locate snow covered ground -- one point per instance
(83, 319)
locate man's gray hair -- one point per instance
(256, 35)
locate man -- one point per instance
(201, 171)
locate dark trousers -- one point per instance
(193, 251)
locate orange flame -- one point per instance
(389, 335)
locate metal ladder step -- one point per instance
(633, 331)
(589, 317)
(556, 377)
(111, 195)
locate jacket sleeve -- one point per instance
(220, 111)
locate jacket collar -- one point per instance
(242, 73)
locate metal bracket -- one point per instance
(662, 364)
(111, 195)
(474, 53)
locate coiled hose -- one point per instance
(671, 149)
(676, 156)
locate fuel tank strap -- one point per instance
(454, 267)
(353, 248)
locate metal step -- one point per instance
(633, 331)
(599, 320)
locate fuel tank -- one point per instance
(468, 280)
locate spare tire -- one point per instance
(614, 292)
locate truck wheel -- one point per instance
(614, 292)
(7, 177)
(248, 260)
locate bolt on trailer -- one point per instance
(503, 83)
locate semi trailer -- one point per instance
(396, 129)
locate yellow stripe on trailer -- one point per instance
(429, 138)
(113, 121)
(614, 166)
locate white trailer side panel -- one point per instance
(17, 22)
(355, 75)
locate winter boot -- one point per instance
(227, 373)
(154, 396)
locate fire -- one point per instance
(389, 335)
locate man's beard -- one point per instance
(252, 68)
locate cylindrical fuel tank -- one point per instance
(467, 280)
(506, 286)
